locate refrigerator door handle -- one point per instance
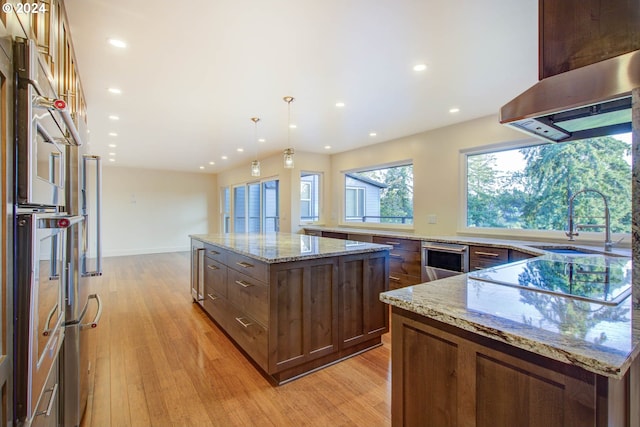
(96, 320)
(98, 189)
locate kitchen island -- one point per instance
(292, 303)
(469, 351)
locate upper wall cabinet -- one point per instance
(575, 33)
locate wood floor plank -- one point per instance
(161, 361)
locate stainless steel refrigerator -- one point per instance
(53, 212)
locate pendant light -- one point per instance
(255, 165)
(288, 153)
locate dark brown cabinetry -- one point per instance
(294, 317)
(404, 261)
(481, 257)
(443, 376)
(576, 33)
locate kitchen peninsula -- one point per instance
(470, 351)
(293, 303)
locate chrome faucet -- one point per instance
(608, 244)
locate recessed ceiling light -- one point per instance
(113, 134)
(112, 117)
(112, 160)
(115, 90)
(240, 150)
(224, 157)
(112, 145)
(262, 140)
(339, 104)
(117, 43)
(201, 167)
(454, 110)
(112, 154)
(292, 126)
(373, 134)
(327, 147)
(212, 163)
(419, 67)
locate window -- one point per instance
(309, 196)
(354, 203)
(383, 195)
(226, 210)
(530, 187)
(256, 207)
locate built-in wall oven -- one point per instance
(40, 307)
(440, 260)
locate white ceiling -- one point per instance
(196, 71)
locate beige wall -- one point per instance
(150, 211)
(436, 169)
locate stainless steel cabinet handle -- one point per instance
(244, 264)
(395, 279)
(392, 255)
(212, 267)
(212, 298)
(98, 213)
(211, 251)
(243, 283)
(96, 320)
(393, 243)
(52, 399)
(244, 324)
(491, 254)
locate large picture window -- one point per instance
(256, 207)
(529, 187)
(383, 195)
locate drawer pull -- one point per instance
(212, 297)
(392, 255)
(212, 267)
(244, 264)
(244, 324)
(395, 279)
(491, 254)
(214, 252)
(393, 243)
(243, 283)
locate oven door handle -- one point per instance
(445, 249)
(60, 106)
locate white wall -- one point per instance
(151, 211)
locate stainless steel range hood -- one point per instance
(591, 101)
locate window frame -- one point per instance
(586, 237)
(261, 205)
(316, 198)
(361, 202)
(374, 225)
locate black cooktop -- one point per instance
(600, 279)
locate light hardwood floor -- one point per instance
(161, 361)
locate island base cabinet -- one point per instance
(443, 376)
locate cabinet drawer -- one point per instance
(249, 334)
(334, 235)
(249, 266)
(217, 307)
(486, 256)
(216, 253)
(215, 276)
(402, 244)
(404, 262)
(249, 295)
(399, 280)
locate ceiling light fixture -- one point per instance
(212, 163)
(240, 150)
(113, 134)
(112, 145)
(289, 152)
(117, 43)
(373, 134)
(420, 67)
(327, 147)
(454, 110)
(112, 117)
(255, 165)
(339, 104)
(115, 90)
(224, 157)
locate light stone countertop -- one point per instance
(599, 338)
(286, 247)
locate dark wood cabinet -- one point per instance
(293, 317)
(481, 257)
(444, 376)
(405, 261)
(515, 255)
(576, 33)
